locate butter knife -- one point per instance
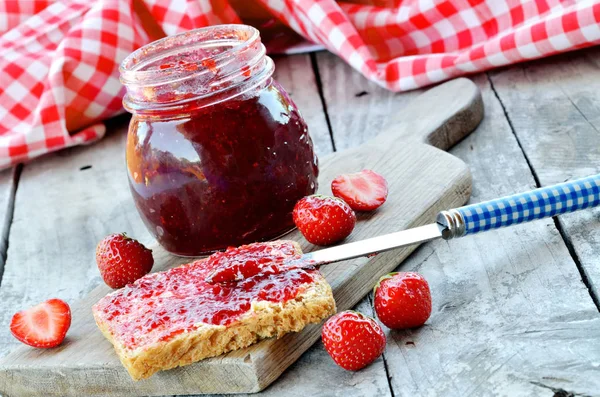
(459, 222)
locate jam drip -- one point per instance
(162, 305)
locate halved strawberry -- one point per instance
(44, 325)
(363, 191)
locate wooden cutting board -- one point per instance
(422, 181)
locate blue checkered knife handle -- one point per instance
(519, 208)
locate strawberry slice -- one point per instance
(363, 191)
(44, 325)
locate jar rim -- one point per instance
(129, 68)
(202, 66)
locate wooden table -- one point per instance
(516, 311)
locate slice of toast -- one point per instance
(174, 318)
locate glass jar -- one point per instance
(217, 152)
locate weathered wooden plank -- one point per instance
(554, 109)
(510, 310)
(511, 315)
(357, 108)
(61, 213)
(9, 179)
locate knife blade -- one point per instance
(368, 246)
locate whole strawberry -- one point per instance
(122, 260)
(402, 300)
(324, 220)
(44, 325)
(353, 340)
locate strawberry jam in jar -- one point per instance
(217, 152)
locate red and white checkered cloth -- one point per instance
(59, 59)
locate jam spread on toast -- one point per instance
(162, 305)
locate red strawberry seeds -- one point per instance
(402, 300)
(44, 325)
(122, 260)
(324, 220)
(353, 340)
(363, 191)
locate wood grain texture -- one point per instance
(423, 180)
(9, 179)
(554, 109)
(357, 108)
(60, 215)
(511, 316)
